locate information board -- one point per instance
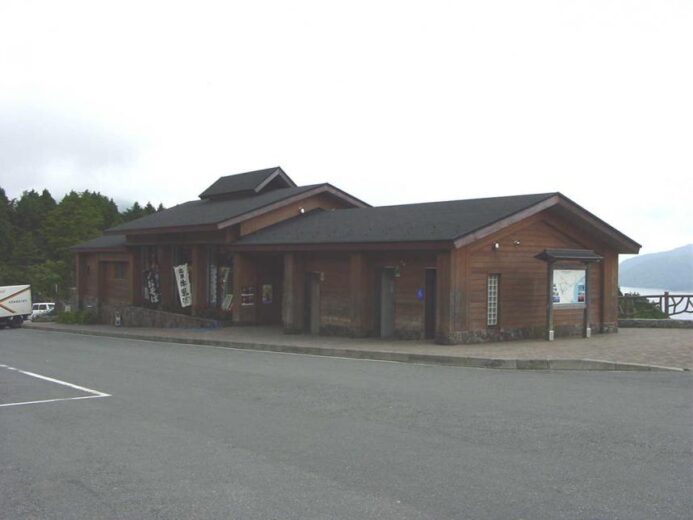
(568, 286)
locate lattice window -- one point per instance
(492, 302)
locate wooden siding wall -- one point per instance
(409, 311)
(256, 271)
(349, 278)
(89, 275)
(322, 201)
(167, 287)
(293, 293)
(244, 275)
(116, 290)
(347, 290)
(198, 277)
(97, 280)
(522, 296)
(185, 239)
(335, 301)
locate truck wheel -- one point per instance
(16, 322)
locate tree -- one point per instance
(48, 280)
(6, 239)
(36, 235)
(106, 207)
(133, 212)
(27, 250)
(78, 217)
(31, 209)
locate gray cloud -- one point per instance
(43, 148)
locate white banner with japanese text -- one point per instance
(183, 282)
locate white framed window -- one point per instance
(492, 300)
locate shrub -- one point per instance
(639, 308)
(78, 318)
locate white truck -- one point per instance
(15, 305)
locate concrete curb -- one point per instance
(400, 357)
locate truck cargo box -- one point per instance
(15, 304)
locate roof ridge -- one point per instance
(545, 195)
(255, 180)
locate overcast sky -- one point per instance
(394, 102)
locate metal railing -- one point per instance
(629, 305)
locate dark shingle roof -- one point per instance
(102, 242)
(243, 182)
(432, 221)
(208, 212)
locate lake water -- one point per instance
(644, 292)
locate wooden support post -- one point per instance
(358, 287)
(166, 280)
(549, 303)
(135, 274)
(444, 303)
(198, 278)
(100, 283)
(289, 294)
(79, 282)
(293, 294)
(603, 296)
(609, 268)
(238, 280)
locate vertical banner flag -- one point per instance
(183, 282)
(151, 287)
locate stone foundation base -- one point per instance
(609, 328)
(131, 316)
(494, 335)
(657, 324)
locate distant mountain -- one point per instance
(669, 270)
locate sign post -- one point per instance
(549, 304)
(568, 286)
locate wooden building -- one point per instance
(257, 249)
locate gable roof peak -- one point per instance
(248, 183)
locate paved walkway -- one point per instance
(629, 349)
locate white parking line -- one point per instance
(95, 393)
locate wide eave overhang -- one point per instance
(436, 245)
(566, 208)
(237, 219)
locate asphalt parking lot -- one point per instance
(94, 427)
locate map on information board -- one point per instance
(568, 286)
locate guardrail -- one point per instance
(669, 304)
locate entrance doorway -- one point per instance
(385, 302)
(312, 303)
(270, 280)
(430, 304)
